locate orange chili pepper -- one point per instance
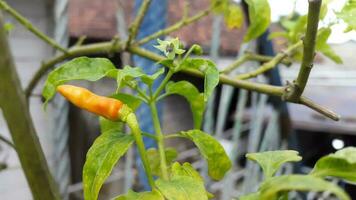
(85, 99)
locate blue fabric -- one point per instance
(154, 20)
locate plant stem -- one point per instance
(272, 63)
(174, 27)
(136, 131)
(16, 113)
(22, 20)
(297, 87)
(235, 64)
(163, 84)
(138, 20)
(160, 140)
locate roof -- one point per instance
(97, 19)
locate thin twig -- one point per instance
(296, 89)
(6, 141)
(183, 22)
(138, 21)
(22, 20)
(238, 62)
(272, 63)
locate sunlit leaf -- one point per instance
(341, 164)
(217, 159)
(209, 69)
(131, 195)
(260, 18)
(101, 159)
(154, 159)
(234, 16)
(272, 187)
(82, 68)
(271, 161)
(182, 188)
(324, 47)
(348, 14)
(191, 93)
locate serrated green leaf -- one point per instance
(324, 47)
(182, 188)
(82, 68)
(149, 79)
(271, 161)
(272, 187)
(131, 195)
(348, 14)
(260, 18)
(210, 71)
(154, 159)
(108, 125)
(101, 159)
(195, 99)
(341, 164)
(217, 159)
(234, 16)
(132, 101)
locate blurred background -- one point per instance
(243, 121)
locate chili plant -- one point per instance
(178, 180)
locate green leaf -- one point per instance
(128, 99)
(182, 188)
(101, 159)
(271, 161)
(209, 69)
(108, 125)
(149, 79)
(234, 16)
(348, 14)
(131, 195)
(341, 164)
(219, 6)
(272, 187)
(324, 47)
(154, 159)
(82, 68)
(277, 34)
(252, 196)
(195, 99)
(260, 18)
(217, 159)
(127, 74)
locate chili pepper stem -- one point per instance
(136, 131)
(160, 140)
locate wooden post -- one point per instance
(16, 112)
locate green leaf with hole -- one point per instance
(154, 159)
(131, 195)
(234, 16)
(215, 155)
(271, 161)
(195, 99)
(341, 164)
(182, 188)
(101, 159)
(348, 13)
(260, 18)
(210, 71)
(273, 187)
(324, 47)
(82, 68)
(132, 101)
